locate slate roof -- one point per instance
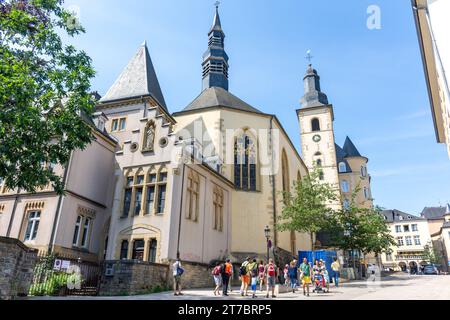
(136, 80)
(350, 148)
(394, 216)
(433, 213)
(340, 156)
(218, 97)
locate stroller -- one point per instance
(321, 285)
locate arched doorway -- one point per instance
(403, 267)
(413, 267)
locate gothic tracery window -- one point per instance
(245, 163)
(218, 209)
(192, 196)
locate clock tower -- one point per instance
(317, 133)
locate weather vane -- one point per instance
(309, 57)
(217, 4)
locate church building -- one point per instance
(202, 184)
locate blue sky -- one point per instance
(374, 78)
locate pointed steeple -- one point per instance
(217, 26)
(313, 97)
(136, 80)
(350, 149)
(215, 60)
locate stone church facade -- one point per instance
(202, 183)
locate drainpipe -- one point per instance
(13, 213)
(58, 207)
(181, 202)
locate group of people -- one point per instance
(253, 274)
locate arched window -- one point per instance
(285, 171)
(345, 186)
(319, 163)
(218, 209)
(245, 161)
(315, 125)
(366, 193)
(342, 167)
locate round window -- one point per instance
(134, 147)
(163, 142)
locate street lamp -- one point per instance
(269, 244)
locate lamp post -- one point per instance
(269, 244)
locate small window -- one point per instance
(406, 228)
(122, 124)
(321, 176)
(34, 218)
(138, 250)
(161, 198)
(124, 250)
(315, 125)
(152, 251)
(319, 163)
(366, 193)
(86, 233)
(400, 241)
(345, 186)
(408, 241)
(398, 229)
(417, 240)
(342, 167)
(76, 234)
(414, 227)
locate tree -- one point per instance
(430, 254)
(307, 210)
(44, 93)
(361, 229)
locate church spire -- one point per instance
(313, 96)
(215, 59)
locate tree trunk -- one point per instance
(313, 246)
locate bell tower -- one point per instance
(317, 133)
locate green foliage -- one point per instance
(48, 282)
(363, 229)
(44, 88)
(431, 255)
(307, 209)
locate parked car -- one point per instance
(430, 270)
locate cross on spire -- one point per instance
(309, 57)
(217, 4)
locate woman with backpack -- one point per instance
(261, 275)
(253, 269)
(271, 278)
(217, 275)
(245, 277)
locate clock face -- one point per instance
(317, 138)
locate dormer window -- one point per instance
(342, 167)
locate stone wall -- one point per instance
(17, 263)
(196, 275)
(132, 278)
